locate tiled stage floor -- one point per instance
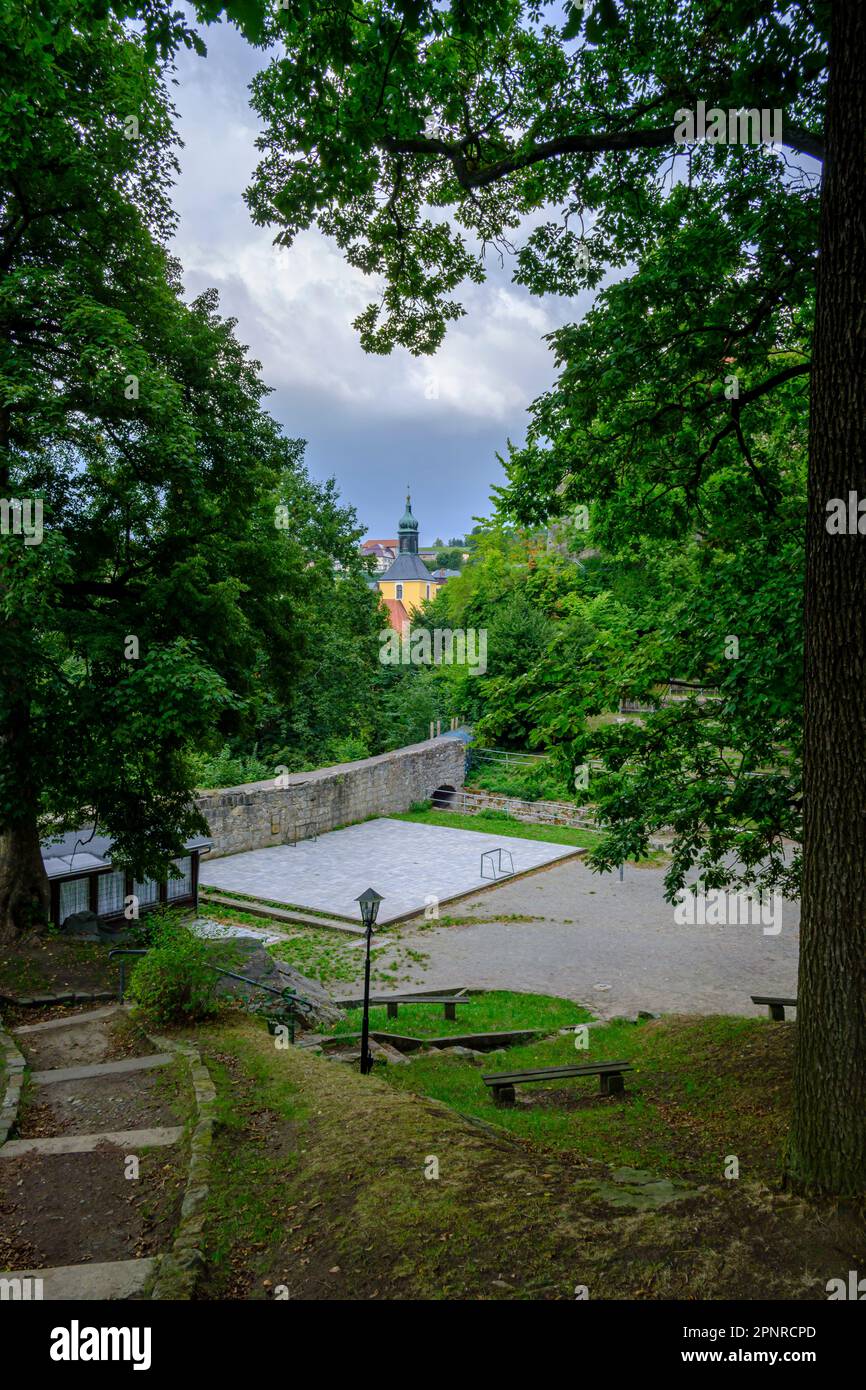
(404, 862)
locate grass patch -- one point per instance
(495, 824)
(272, 902)
(49, 963)
(321, 1189)
(702, 1089)
(320, 956)
(494, 1012)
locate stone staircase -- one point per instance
(81, 1180)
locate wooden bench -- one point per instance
(449, 1001)
(775, 1005)
(609, 1074)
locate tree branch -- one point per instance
(660, 137)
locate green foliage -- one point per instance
(184, 594)
(348, 750)
(678, 418)
(173, 983)
(227, 769)
(449, 559)
(542, 781)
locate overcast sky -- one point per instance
(374, 423)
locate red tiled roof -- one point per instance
(397, 614)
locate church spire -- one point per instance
(408, 529)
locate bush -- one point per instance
(228, 769)
(348, 750)
(173, 982)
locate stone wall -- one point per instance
(261, 814)
(471, 803)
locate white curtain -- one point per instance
(74, 897)
(147, 892)
(181, 887)
(111, 893)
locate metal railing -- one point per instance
(302, 830)
(287, 995)
(124, 951)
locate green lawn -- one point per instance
(491, 824)
(494, 1012)
(321, 1185)
(324, 957)
(703, 1089)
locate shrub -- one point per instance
(348, 750)
(173, 982)
(227, 769)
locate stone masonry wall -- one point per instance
(261, 814)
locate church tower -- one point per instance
(408, 584)
(408, 530)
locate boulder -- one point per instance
(83, 924)
(246, 956)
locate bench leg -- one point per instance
(777, 1012)
(612, 1083)
(503, 1095)
(451, 1011)
(392, 1010)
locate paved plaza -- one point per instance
(407, 863)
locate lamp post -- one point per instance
(369, 902)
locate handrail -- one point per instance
(124, 951)
(287, 995)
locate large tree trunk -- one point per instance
(827, 1151)
(24, 892)
(24, 895)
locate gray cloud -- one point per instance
(374, 423)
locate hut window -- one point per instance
(398, 590)
(181, 887)
(147, 892)
(74, 897)
(111, 893)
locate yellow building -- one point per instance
(408, 582)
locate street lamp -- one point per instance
(369, 902)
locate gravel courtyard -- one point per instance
(612, 946)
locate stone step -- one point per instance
(290, 916)
(69, 996)
(112, 1280)
(126, 1139)
(75, 1020)
(45, 1078)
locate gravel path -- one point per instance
(596, 931)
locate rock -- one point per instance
(388, 1053)
(246, 956)
(84, 924)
